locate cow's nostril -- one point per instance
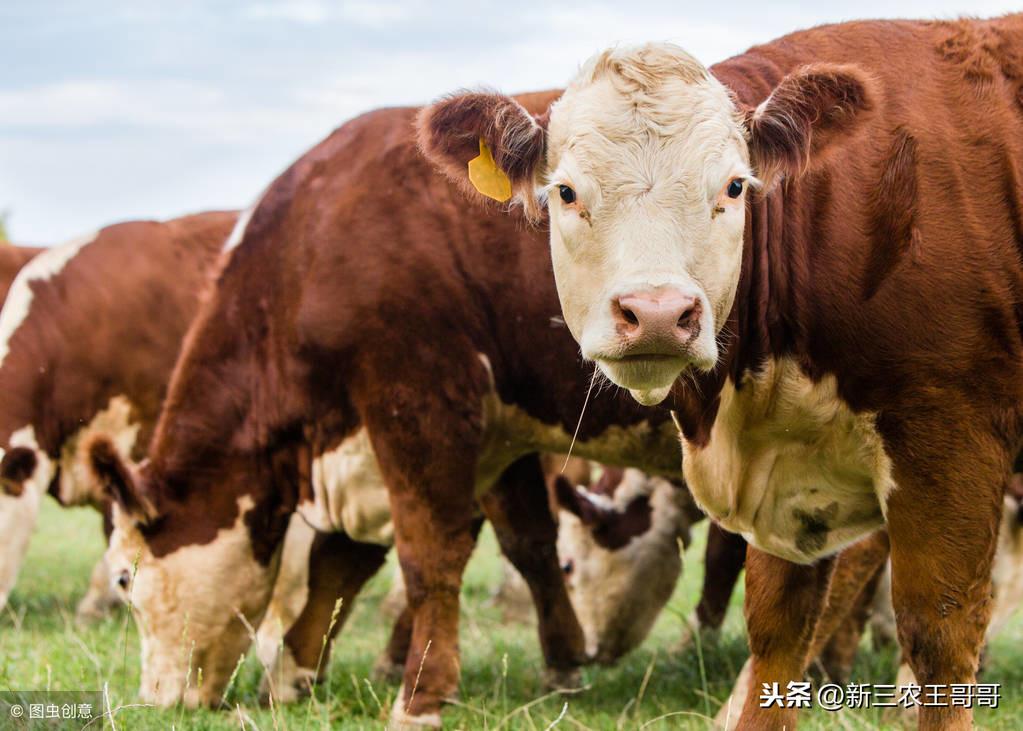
(630, 316)
(688, 319)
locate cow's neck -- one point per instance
(765, 322)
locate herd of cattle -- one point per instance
(804, 263)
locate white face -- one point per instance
(188, 607)
(617, 595)
(647, 178)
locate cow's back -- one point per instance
(12, 259)
(376, 261)
(103, 317)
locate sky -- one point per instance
(156, 108)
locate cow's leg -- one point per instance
(858, 570)
(723, 560)
(519, 509)
(338, 569)
(390, 664)
(783, 603)
(433, 526)
(943, 520)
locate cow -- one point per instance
(810, 253)
(88, 335)
(361, 306)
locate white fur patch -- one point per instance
(1007, 571)
(512, 433)
(18, 515)
(291, 590)
(77, 486)
(238, 232)
(350, 494)
(790, 466)
(46, 265)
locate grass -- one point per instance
(41, 648)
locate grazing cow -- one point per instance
(360, 306)
(616, 586)
(822, 238)
(88, 337)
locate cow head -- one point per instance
(646, 163)
(618, 543)
(186, 562)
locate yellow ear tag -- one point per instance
(487, 178)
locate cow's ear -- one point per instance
(18, 464)
(576, 501)
(1015, 491)
(488, 144)
(118, 480)
(804, 116)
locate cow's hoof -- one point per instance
(386, 670)
(402, 721)
(292, 684)
(86, 615)
(562, 679)
(693, 632)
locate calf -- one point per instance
(361, 306)
(811, 252)
(88, 336)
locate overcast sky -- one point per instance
(153, 108)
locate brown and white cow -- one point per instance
(88, 336)
(362, 305)
(813, 249)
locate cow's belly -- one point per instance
(349, 493)
(790, 467)
(511, 433)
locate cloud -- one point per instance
(315, 12)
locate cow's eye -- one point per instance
(735, 188)
(124, 579)
(567, 194)
(567, 567)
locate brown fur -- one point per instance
(108, 324)
(12, 259)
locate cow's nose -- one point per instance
(664, 314)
